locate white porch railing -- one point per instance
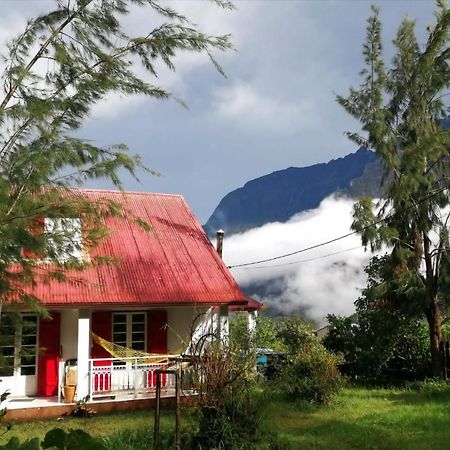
(125, 377)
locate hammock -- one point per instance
(122, 353)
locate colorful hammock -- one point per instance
(123, 353)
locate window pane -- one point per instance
(28, 360)
(138, 318)
(120, 328)
(7, 371)
(29, 370)
(139, 346)
(7, 351)
(138, 337)
(120, 318)
(29, 325)
(119, 337)
(138, 327)
(29, 341)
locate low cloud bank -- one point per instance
(317, 282)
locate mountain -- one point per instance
(281, 194)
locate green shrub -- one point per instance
(295, 334)
(312, 376)
(379, 347)
(237, 425)
(230, 406)
(266, 333)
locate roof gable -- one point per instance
(173, 263)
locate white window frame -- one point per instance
(18, 344)
(71, 245)
(129, 327)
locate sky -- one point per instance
(275, 109)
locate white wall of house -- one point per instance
(180, 320)
(83, 353)
(69, 333)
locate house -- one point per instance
(167, 284)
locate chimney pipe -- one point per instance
(219, 242)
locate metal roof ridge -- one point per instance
(118, 191)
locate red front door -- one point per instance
(49, 355)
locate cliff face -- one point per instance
(280, 195)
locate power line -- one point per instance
(312, 247)
(302, 260)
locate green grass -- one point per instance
(369, 419)
(357, 419)
(104, 425)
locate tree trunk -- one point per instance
(434, 323)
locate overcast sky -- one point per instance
(275, 109)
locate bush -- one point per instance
(295, 334)
(230, 408)
(236, 425)
(379, 347)
(266, 333)
(313, 376)
(306, 370)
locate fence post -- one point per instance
(157, 411)
(168, 373)
(177, 409)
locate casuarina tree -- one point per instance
(53, 73)
(401, 107)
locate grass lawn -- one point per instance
(103, 425)
(357, 419)
(369, 419)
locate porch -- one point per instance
(41, 408)
(114, 385)
(123, 378)
(39, 349)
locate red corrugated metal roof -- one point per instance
(173, 264)
(251, 305)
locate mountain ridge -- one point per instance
(281, 194)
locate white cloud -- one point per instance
(242, 104)
(321, 281)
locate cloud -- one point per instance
(318, 282)
(242, 104)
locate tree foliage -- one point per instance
(379, 343)
(305, 370)
(401, 107)
(54, 72)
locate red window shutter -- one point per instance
(48, 360)
(101, 326)
(37, 228)
(157, 331)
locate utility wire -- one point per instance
(312, 247)
(302, 260)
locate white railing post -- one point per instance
(91, 379)
(134, 372)
(60, 378)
